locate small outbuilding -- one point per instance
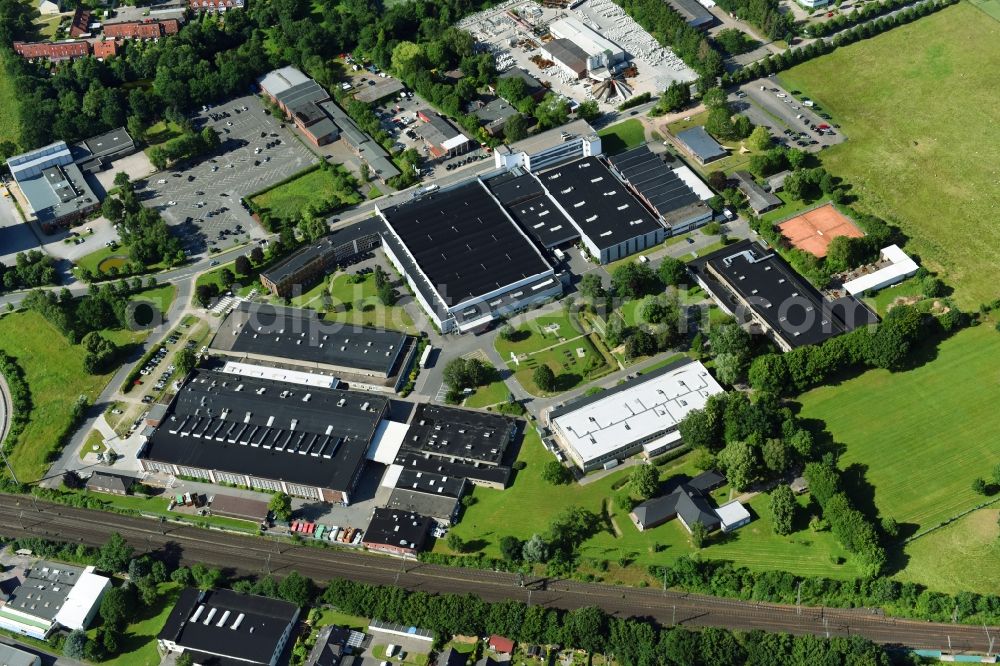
(732, 516)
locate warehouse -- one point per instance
(567, 56)
(50, 595)
(676, 194)
(427, 493)
(265, 434)
(540, 151)
(459, 435)
(754, 284)
(640, 415)
(696, 15)
(281, 337)
(524, 198)
(598, 52)
(700, 144)
(612, 223)
(466, 260)
(225, 627)
(397, 532)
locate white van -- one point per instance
(391, 650)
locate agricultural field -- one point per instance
(535, 502)
(920, 108)
(919, 437)
(315, 188)
(952, 558)
(622, 136)
(55, 375)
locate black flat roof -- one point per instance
(464, 243)
(655, 181)
(416, 460)
(259, 622)
(270, 429)
(781, 297)
(301, 335)
(398, 528)
(435, 506)
(523, 197)
(598, 202)
(431, 483)
(459, 434)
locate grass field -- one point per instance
(330, 616)
(9, 125)
(106, 256)
(990, 7)
(539, 333)
(314, 188)
(622, 136)
(959, 557)
(358, 304)
(535, 502)
(573, 362)
(490, 394)
(920, 112)
(55, 375)
(922, 436)
(138, 645)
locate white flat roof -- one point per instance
(388, 439)
(280, 374)
(902, 267)
(455, 142)
(86, 593)
(280, 80)
(583, 36)
(391, 476)
(636, 410)
(732, 513)
(696, 184)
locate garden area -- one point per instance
(108, 262)
(622, 136)
(358, 303)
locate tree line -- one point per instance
(766, 15)
(33, 268)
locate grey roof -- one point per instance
(103, 481)
(685, 501)
(442, 508)
(44, 589)
(234, 506)
(371, 152)
(658, 185)
(779, 296)
(707, 481)
(694, 13)
(246, 425)
(11, 656)
(402, 529)
(568, 53)
(327, 250)
(383, 88)
(280, 80)
(701, 144)
(525, 200)
(58, 191)
(436, 130)
(298, 335)
(260, 624)
(599, 204)
(109, 143)
(464, 243)
(460, 435)
(553, 137)
(451, 657)
(331, 646)
(759, 199)
(495, 112)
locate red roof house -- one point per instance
(501, 644)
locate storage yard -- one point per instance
(517, 33)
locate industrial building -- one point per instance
(700, 145)
(578, 45)
(612, 223)
(525, 200)
(759, 199)
(11, 656)
(754, 284)
(224, 627)
(397, 532)
(573, 140)
(441, 138)
(279, 337)
(307, 441)
(321, 120)
(427, 493)
(893, 267)
(53, 185)
(307, 266)
(466, 260)
(640, 415)
(676, 194)
(696, 14)
(51, 595)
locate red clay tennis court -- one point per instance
(814, 230)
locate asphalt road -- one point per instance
(245, 554)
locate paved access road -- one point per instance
(245, 554)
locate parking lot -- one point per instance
(792, 121)
(201, 199)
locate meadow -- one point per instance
(315, 188)
(622, 136)
(919, 109)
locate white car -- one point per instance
(782, 95)
(171, 203)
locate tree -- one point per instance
(185, 361)
(297, 589)
(182, 576)
(455, 542)
(729, 368)
(552, 111)
(783, 507)
(645, 480)
(674, 98)
(775, 456)
(932, 287)
(714, 98)
(760, 138)
(979, 486)
(672, 272)
(461, 373)
(633, 280)
(740, 462)
(515, 127)
(996, 475)
(511, 548)
(242, 265)
(544, 378)
(115, 606)
(591, 286)
(257, 256)
(699, 534)
(184, 659)
(281, 506)
(115, 554)
(227, 278)
(206, 578)
(720, 123)
(556, 473)
(588, 110)
(769, 373)
(204, 293)
(535, 550)
(75, 646)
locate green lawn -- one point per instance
(791, 207)
(535, 502)
(490, 394)
(93, 444)
(570, 367)
(907, 289)
(314, 188)
(138, 646)
(330, 616)
(920, 437)
(622, 136)
(55, 375)
(672, 358)
(162, 132)
(157, 506)
(539, 333)
(102, 259)
(358, 304)
(959, 557)
(990, 7)
(920, 110)
(10, 128)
